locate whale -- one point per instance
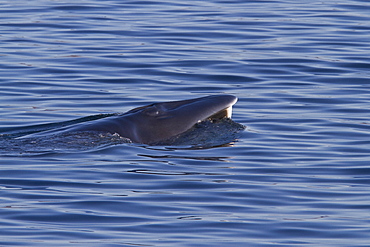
(157, 122)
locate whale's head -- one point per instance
(160, 121)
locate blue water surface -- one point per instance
(299, 175)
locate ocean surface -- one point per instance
(298, 175)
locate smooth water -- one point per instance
(299, 175)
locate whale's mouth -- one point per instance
(225, 113)
(215, 130)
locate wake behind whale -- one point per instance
(201, 122)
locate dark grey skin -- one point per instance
(159, 121)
